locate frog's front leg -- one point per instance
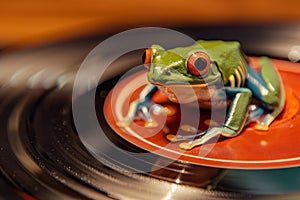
(140, 108)
(234, 123)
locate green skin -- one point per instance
(225, 54)
(168, 69)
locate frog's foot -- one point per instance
(207, 135)
(142, 111)
(187, 128)
(177, 138)
(263, 125)
(124, 123)
(187, 145)
(172, 138)
(255, 114)
(151, 123)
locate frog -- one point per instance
(213, 69)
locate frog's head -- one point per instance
(180, 66)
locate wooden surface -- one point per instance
(33, 21)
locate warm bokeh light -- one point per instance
(27, 22)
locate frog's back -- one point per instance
(231, 61)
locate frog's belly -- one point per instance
(213, 104)
(207, 96)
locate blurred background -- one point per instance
(34, 22)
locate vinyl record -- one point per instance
(44, 156)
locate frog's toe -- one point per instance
(191, 144)
(176, 138)
(188, 128)
(261, 127)
(123, 123)
(171, 138)
(150, 123)
(186, 145)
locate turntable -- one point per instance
(45, 154)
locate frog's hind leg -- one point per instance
(235, 120)
(268, 88)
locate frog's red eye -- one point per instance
(198, 63)
(147, 57)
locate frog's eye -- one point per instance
(147, 57)
(198, 63)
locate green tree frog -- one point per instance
(209, 67)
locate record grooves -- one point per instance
(43, 157)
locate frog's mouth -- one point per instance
(205, 94)
(167, 76)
